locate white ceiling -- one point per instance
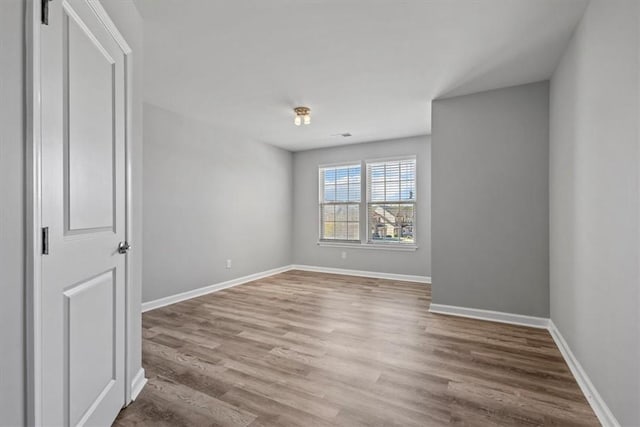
(368, 67)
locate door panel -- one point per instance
(91, 342)
(90, 76)
(83, 204)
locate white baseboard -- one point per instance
(604, 414)
(172, 299)
(493, 316)
(137, 384)
(361, 273)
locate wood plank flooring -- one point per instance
(310, 349)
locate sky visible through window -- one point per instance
(342, 184)
(392, 181)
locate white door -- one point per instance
(83, 207)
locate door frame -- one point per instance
(33, 196)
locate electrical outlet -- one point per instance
(344, 254)
(228, 263)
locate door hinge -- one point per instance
(44, 6)
(45, 240)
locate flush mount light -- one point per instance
(303, 115)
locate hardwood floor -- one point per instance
(310, 349)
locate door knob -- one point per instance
(124, 247)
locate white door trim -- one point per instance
(33, 199)
(33, 195)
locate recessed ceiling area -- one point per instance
(367, 67)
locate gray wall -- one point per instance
(12, 137)
(208, 197)
(305, 196)
(490, 200)
(126, 17)
(594, 206)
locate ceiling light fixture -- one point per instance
(303, 115)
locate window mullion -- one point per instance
(364, 198)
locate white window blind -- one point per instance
(340, 188)
(391, 201)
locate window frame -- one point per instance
(322, 203)
(414, 203)
(365, 242)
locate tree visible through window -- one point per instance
(391, 201)
(340, 189)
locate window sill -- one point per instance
(371, 246)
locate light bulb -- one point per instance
(307, 119)
(298, 121)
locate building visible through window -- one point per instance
(391, 201)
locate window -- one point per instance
(389, 210)
(340, 189)
(391, 201)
